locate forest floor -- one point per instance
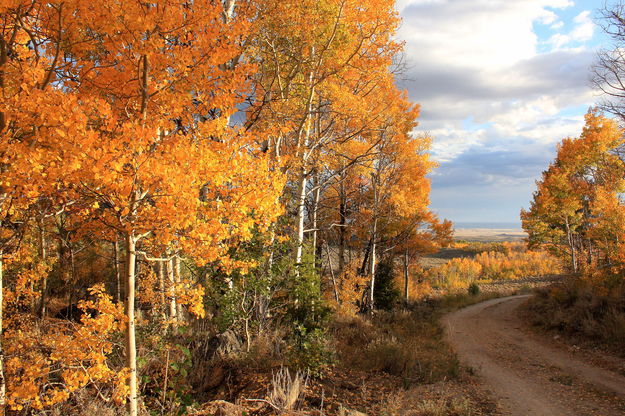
(530, 373)
(394, 364)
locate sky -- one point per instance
(500, 83)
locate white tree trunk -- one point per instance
(177, 280)
(314, 217)
(372, 264)
(303, 141)
(131, 342)
(374, 231)
(272, 240)
(342, 224)
(228, 10)
(44, 280)
(336, 289)
(571, 243)
(301, 200)
(161, 287)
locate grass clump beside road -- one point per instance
(408, 345)
(404, 404)
(589, 309)
(406, 342)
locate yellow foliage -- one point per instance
(148, 288)
(192, 295)
(351, 287)
(48, 361)
(509, 263)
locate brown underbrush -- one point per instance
(404, 343)
(592, 310)
(394, 363)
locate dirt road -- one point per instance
(526, 374)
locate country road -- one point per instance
(524, 373)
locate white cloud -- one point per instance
(558, 40)
(462, 33)
(451, 141)
(537, 119)
(555, 4)
(548, 18)
(583, 31)
(557, 25)
(585, 27)
(479, 60)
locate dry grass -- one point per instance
(591, 310)
(376, 359)
(406, 343)
(441, 402)
(285, 391)
(86, 404)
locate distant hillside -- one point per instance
(489, 234)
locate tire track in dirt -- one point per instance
(528, 376)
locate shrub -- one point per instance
(307, 313)
(411, 402)
(474, 289)
(405, 343)
(299, 314)
(386, 295)
(351, 287)
(584, 307)
(444, 407)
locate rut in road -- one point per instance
(525, 374)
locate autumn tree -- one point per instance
(578, 193)
(29, 56)
(398, 188)
(136, 93)
(173, 116)
(417, 235)
(316, 82)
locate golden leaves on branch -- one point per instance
(48, 361)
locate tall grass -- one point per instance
(403, 343)
(411, 402)
(584, 307)
(408, 343)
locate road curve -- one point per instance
(525, 374)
